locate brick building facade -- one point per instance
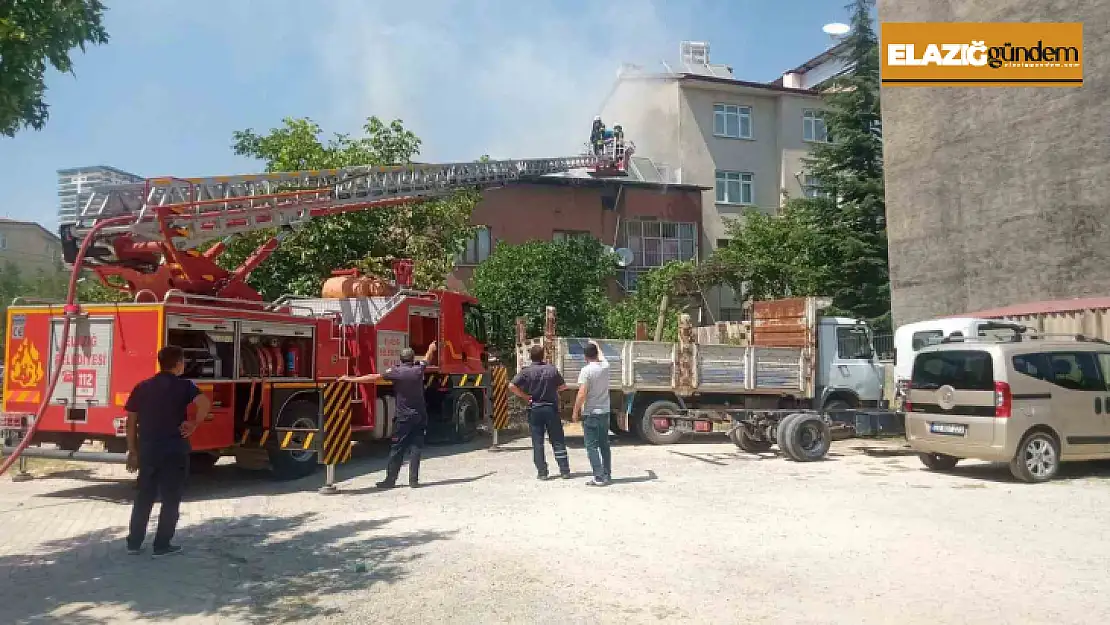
(997, 196)
(659, 222)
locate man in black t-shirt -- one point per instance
(539, 384)
(412, 413)
(157, 447)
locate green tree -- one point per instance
(522, 280)
(850, 169)
(33, 34)
(431, 233)
(681, 281)
(834, 244)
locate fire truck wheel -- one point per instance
(466, 413)
(292, 465)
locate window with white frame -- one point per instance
(732, 121)
(477, 248)
(813, 126)
(654, 244)
(811, 187)
(735, 187)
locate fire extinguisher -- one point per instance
(292, 359)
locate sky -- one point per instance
(512, 79)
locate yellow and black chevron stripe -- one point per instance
(500, 397)
(445, 381)
(337, 423)
(286, 439)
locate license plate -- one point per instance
(950, 429)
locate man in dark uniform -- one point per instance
(157, 447)
(539, 384)
(412, 413)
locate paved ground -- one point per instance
(689, 533)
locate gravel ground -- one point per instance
(689, 533)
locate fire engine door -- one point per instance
(87, 364)
(423, 328)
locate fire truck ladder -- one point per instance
(187, 212)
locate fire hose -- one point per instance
(70, 310)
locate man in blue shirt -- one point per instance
(539, 384)
(412, 413)
(158, 429)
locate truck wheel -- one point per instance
(745, 441)
(466, 413)
(657, 425)
(288, 464)
(781, 437)
(809, 437)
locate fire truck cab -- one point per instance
(264, 366)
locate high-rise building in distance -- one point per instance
(77, 183)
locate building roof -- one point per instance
(77, 170)
(35, 224)
(1044, 307)
(720, 80)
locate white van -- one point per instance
(913, 337)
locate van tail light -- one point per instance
(1003, 400)
(906, 405)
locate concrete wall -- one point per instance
(997, 196)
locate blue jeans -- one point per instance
(595, 431)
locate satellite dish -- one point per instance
(625, 257)
(836, 29)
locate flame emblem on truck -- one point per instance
(25, 368)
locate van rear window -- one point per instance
(962, 370)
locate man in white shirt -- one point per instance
(592, 407)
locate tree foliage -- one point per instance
(835, 244)
(682, 282)
(431, 233)
(43, 285)
(522, 280)
(34, 34)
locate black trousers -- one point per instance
(408, 437)
(160, 476)
(543, 418)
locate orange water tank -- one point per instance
(354, 285)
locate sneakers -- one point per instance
(542, 477)
(414, 484)
(169, 550)
(386, 485)
(134, 551)
(564, 476)
(597, 482)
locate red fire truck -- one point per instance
(267, 367)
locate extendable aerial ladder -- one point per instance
(150, 234)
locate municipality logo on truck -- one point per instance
(965, 54)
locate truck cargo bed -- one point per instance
(651, 366)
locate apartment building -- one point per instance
(743, 141)
(77, 183)
(658, 221)
(30, 247)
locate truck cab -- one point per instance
(848, 374)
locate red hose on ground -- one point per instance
(70, 310)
